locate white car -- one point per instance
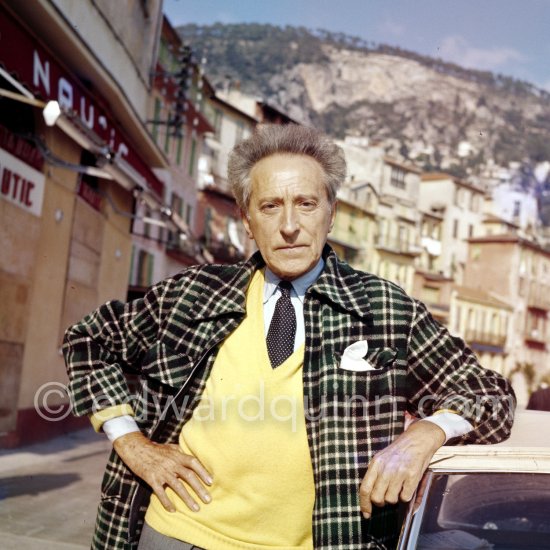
(482, 497)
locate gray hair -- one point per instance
(270, 139)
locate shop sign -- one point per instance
(46, 77)
(21, 184)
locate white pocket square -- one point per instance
(352, 358)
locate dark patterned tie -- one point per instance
(282, 330)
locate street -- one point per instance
(49, 492)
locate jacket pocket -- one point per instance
(385, 378)
(166, 366)
(376, 360)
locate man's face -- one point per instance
(289, 213)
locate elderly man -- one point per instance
(274, 392)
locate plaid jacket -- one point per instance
(170, 338)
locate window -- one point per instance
(455, 229)
(430, 295)
(398, 178)
(495, 324)
(512, 513)
(188, 213)
(481, 321)
(218, 121)
(167, 141)
(156, 117)
(192, 157)
(369, 200)
(144, 272)
(471, 319)
(517, 209)
(470, 230)
(146, 226)
(474, 206)
(179, 150)
(458, 314)
(239, 132)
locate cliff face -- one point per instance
(439, 114)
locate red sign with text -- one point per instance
(38, 70)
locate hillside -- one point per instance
(422, 108)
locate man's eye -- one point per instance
(269, 207)
(308, 205)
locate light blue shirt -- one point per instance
(297, 295)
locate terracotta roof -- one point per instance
(436, 176)
(510, 238)
(406, 167)
(481, 297)
(502, 238)
(362, 185)
(432, 176)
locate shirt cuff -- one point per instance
(119, 426)
(100, 417)
(451, 423)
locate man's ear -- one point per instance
(246, 223)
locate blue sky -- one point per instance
(511, 37)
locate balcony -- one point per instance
(224, 252)
(536, 338)
(186, 251)
(485, 338)
(398, 246)
(539, 297)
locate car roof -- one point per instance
(527, 449)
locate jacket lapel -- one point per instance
(342, 286)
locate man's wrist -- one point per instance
(452, 424)
(119, 426)
(434, 432)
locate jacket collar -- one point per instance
(222, 289)
(342, 285)
(338, 282)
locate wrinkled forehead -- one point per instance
(288, 173)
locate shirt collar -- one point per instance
(299, 285)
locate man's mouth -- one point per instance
(291, 247)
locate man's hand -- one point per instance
(164, 466)
(394, 473)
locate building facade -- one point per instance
(75, 155)
(517, 272)
(461, 205)
(178, 127)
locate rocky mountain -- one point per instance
(436, 113)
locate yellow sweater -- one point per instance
(249, 432)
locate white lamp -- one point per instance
(51, 112)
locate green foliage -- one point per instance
(250, 52)
(457, 170)
(538, 146)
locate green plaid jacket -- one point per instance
(170, 338)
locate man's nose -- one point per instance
(290, 222)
